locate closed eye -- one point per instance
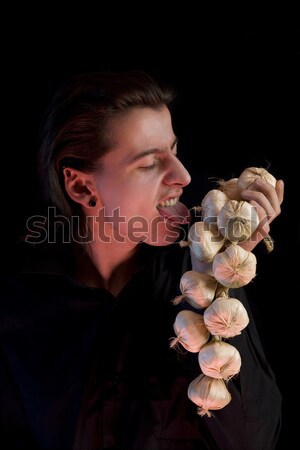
(159, 160)
(160, 156)
(150, 166)
(174, 148)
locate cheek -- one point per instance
(129, 208)
(134, 196)
(139, 210)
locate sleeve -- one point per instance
(252, 419)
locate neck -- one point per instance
(107, 265)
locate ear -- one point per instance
(79, 186)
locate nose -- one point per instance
(177, 174)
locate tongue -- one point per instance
(177, 213)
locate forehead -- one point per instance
(140, 128)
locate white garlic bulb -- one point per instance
(226, 317)
(230, 189)
(234, 267)
(190, 330)
(205, 241)
(249, 175)
(197, 288)
(212, 204)
(208, 394)
(237, 220)
(218, 359)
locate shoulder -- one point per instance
(38, 258)
(32, 269)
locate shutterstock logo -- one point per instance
(117, 228)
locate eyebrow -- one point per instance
(151, 151)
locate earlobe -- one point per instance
(78, 185)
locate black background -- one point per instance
(238, 106)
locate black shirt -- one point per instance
(83, 370)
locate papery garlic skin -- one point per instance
(218, 359)
(190, 330)
(234, 267)
(198, 288)
(205, 241)
(211, 205)
(237, 220)
(208, 394)
(249, 175)
(230, 189)
(226, 317)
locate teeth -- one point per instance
(170, 202)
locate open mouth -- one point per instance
(174, 211)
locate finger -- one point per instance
(274, 195)
(264, 219)
(266, 195)
(271, 208)
(280, 190)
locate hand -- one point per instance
(267, 200)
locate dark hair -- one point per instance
(74, 129)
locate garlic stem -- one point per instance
(269, 243)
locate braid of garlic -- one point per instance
(226, 220)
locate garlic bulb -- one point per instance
(235, 267)
(230, 189)
(218, 359)
(190, 330)
(226, 317)
(237, 220)
(212, 204)
(248, 176)
(197, 288)
(205, 241)
(208, 394)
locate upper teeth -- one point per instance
(170, 202)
